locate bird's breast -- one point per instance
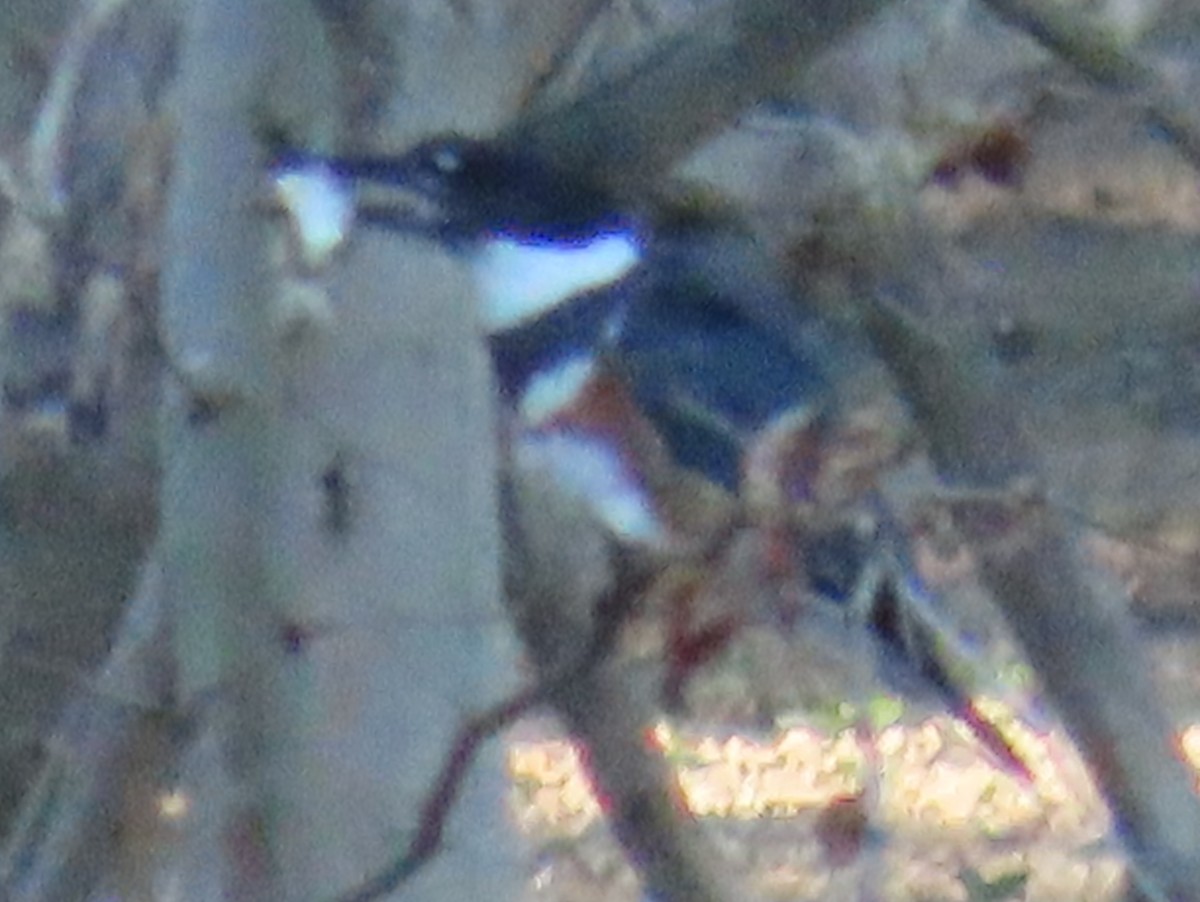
(520, 280)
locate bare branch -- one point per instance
(445, 792)
(630, 130)
(125, 729)
(1105, 59)
(558, 573)
(1084, 649)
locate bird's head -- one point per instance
(463, 191)
(536, 237)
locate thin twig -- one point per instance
(443, 795)
(612, 610)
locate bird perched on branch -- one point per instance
(592, 311)
(627, 344)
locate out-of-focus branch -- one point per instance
(971, 433)
(1104, 58)
(46, 142)
(106, 773)
(630, 130)
(1084, 649)
(559, 570)
(1096, 52)
(223, 442)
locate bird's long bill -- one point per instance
(325, 196)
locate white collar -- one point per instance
(519, 281)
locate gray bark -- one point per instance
(332, 665)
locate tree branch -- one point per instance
(1106, 60)
(1084, 648)
(631, 129)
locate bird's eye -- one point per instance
(446, 159)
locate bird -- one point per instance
(684, 315)
(625, 340)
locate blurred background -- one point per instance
(1030, 213)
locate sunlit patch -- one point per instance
(555, 389)
(519, 282)
(321, 208)
(593, 470)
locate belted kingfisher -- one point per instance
(687, 321)
(606, 326)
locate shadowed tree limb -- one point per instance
(1110, 62)
(558, 572)
(1083, 647)
(630, 130)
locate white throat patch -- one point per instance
(556, 388)
(321, 208)
(519, 282)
